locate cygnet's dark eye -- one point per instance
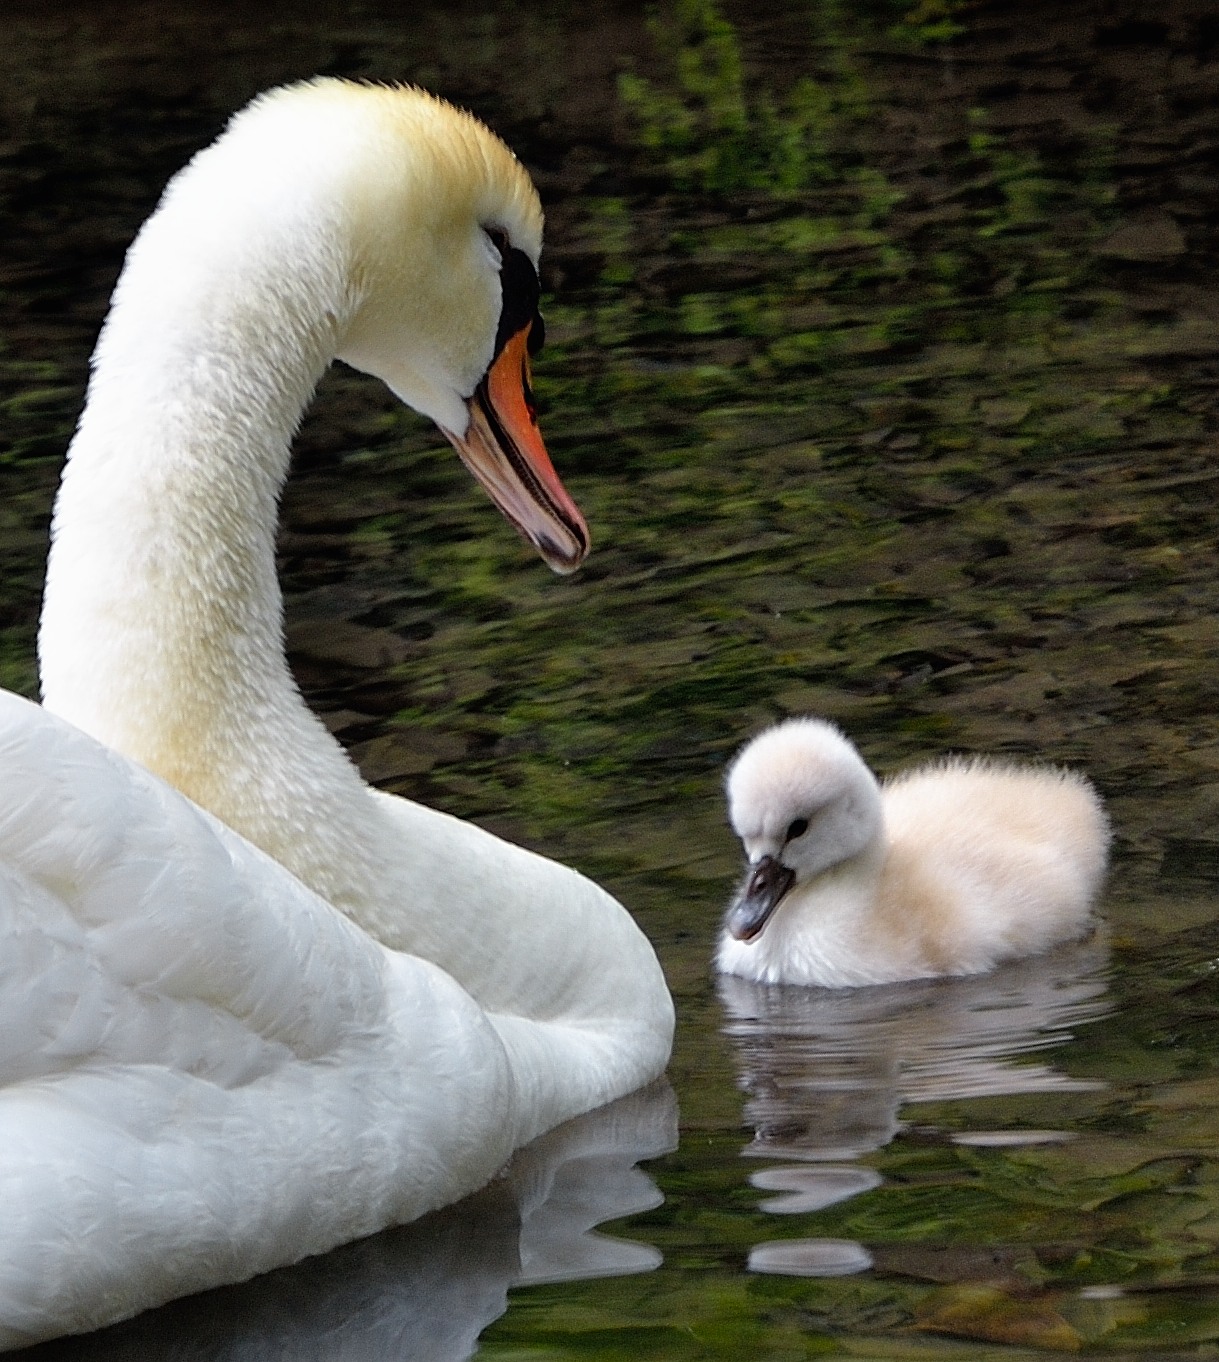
(796, 828)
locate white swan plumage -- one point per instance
(207, 1070)
(948, 869)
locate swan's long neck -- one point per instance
(162, 623)
(161, 632)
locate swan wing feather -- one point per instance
(182, 1025)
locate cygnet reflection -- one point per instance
(426, 1291)
(827, 1071)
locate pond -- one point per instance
(881, 359)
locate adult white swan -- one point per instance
(208, 1070)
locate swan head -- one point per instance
(442, 232)
(802, 801)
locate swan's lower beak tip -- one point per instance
(562, 559)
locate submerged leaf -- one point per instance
(987, 1313)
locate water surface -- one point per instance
(881, 360)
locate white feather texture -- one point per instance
(949, 869)
(206, 1070)
(212, 1072)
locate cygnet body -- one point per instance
(948, 869)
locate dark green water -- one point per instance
(882, 361)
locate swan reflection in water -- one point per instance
(427, 1290)
(827, 1071)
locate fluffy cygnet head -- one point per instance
(802, 801)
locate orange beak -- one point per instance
(503, 448)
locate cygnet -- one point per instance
(948, 869)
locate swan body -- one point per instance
(426, 1291)
(299, 1082)
(949, 869)
(206, 1071)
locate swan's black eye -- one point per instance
(796, 828)
(519, 291)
